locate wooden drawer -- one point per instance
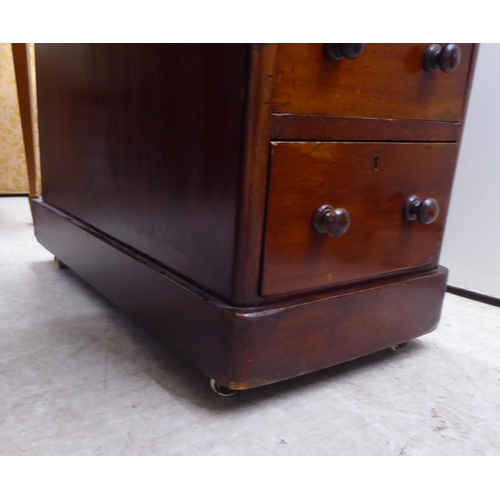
(386, 81)
(371, 181)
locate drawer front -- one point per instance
(371, 181)
(385, 81)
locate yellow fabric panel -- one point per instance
(13, 174)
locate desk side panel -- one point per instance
(144, 143)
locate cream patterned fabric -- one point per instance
(13, 175)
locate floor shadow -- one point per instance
(184, 382)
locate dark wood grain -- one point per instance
(245, 348)
(298, 338)
(193, 323)
(386, 81)
(253, 187)
(380, 241)
(163, 191)
(145, 143)
(321, 127)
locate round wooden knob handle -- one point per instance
(425, 211)
(446, 59)
(338, 51)
(334, 221)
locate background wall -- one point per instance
(471, 248)
(13, 174)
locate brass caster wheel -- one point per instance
(60, 264)
(221, 390)
(397, 347)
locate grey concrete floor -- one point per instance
(77, 377)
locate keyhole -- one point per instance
(375, 164)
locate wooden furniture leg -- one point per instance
(20, 53)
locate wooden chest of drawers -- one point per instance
(268, 210)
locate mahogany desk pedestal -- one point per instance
(267, 210)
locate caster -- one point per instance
(397, 347)
(221, 390)
(60, 264)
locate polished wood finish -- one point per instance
(445, 58)
(196, 325)
(253, 187)
(425, 211)
(145, 143)
(319, 127)
(332, 221)
(320, 331)
(179, 183)
(386, 81)
(372, 182)
(339, 51)
(20, 55)
(249, 347)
